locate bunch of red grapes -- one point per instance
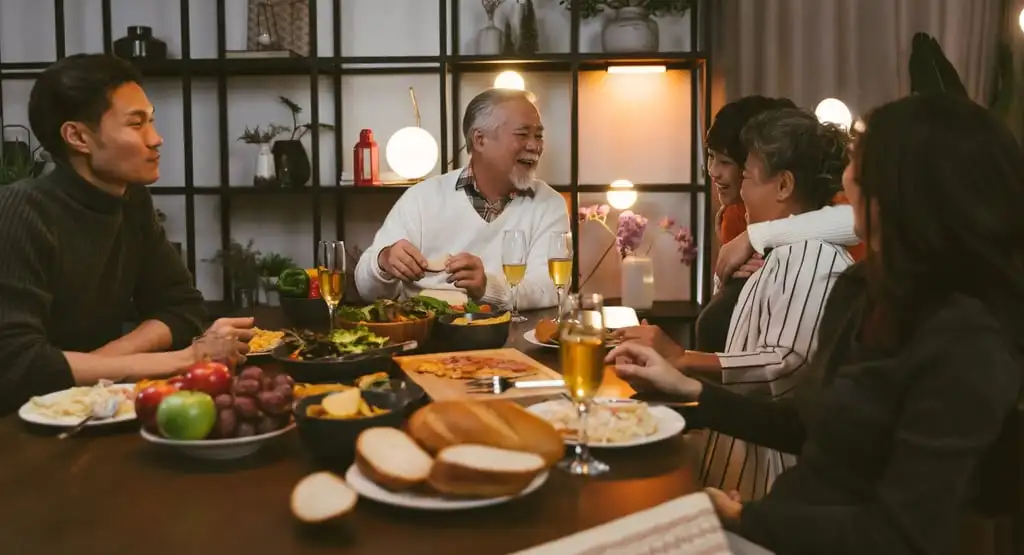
(256, 405)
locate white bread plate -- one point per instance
(429, 501)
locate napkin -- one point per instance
(683, 526)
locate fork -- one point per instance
(100, 410)
(498, 384)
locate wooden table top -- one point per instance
(107, 491)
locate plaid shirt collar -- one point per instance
(488, 210)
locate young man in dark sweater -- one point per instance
(82, 246)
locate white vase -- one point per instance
(266, 175)
(631, 29)
(637, 282)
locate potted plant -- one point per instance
(631, 27)
(271, 265)
(18, 158)
(242, 265)
(265, 175)
(289, 154)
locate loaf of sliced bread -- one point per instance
(321, 496)
(482, 471)
(392, 459)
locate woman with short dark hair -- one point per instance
(920, 359)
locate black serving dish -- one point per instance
(332, 442)
(457, 337)
(332, 370)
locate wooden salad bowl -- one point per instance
(398, 332)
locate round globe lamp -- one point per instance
(412, 151)
(509, 80)
(833, 110)
(621, 195)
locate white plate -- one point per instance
(431, 502)
(28, 414)
(616, 317)
(670, 423)
(531, 336)
(217, 449)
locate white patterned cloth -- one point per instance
(686, 525)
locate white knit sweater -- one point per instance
(440, 220)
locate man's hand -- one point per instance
(653, 337)
(403, 261)
(466, 271)
(732, 256)
(230, 339)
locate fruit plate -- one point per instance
(31, 414)
(428, 501)
(217, 449)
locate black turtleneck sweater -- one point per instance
(74, 261)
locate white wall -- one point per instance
(631, 126)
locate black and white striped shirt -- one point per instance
(774, 325)
(772, 334)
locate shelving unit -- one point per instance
(450, 66)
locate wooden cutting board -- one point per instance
(440, 388)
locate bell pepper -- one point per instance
(293, 282)
(314, 288)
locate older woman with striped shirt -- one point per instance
(794, 165)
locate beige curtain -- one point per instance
(854, 50)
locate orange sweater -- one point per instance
(734, 222)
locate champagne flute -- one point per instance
(331, 272)
(560, 265)
(513, 263)
(582, 352)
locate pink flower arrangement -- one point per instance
(629, 234)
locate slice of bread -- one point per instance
(437, 264)
(322, 496)
(392, 459)
(481, 471)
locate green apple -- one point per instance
(186, 415)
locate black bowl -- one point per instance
(305, 313)
(333, 442)
(328, 371)
(455, 337)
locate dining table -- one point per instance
(107, 491)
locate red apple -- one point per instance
(177, 381)
(148, 400)
(212, 378)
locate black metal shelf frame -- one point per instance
(449, 65)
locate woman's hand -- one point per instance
(727, 505)
(651, 336)
(732, 256)
(645, 370)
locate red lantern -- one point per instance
(366, 163)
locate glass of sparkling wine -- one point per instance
(560, 264)
(581, 349)
(331, 272)
(513, 263)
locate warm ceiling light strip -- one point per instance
(636, 69)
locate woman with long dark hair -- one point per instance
(920, 347)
